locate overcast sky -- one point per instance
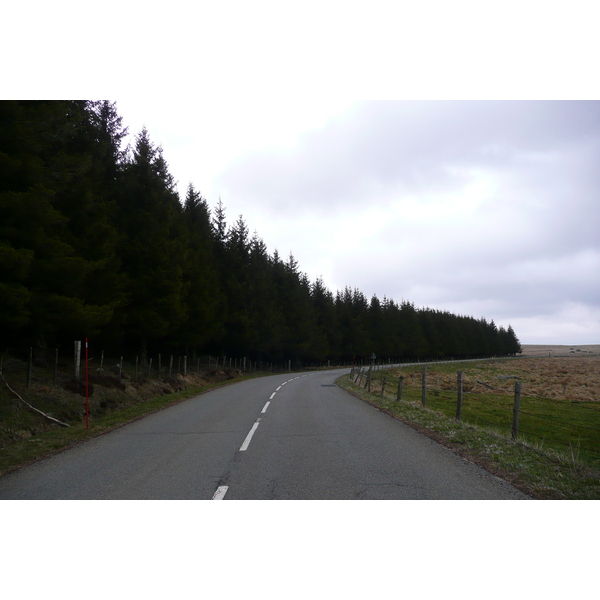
(477, 207)
(482, 208)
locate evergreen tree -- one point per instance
(152, 248)
(203, 295)
(266, 321)
(236, 285)
(43, 168)
(326, 343)
(513, 346)
(219, 224)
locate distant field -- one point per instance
(559, 350)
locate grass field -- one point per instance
(560, 401)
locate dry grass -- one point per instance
(576, 379)
(559, 350)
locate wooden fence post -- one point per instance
(400, 386)
(149, 368)
(171, 365)
(121, 368)
(137, 360)
(516, 407)
(459, 375)
(185, 366)
(424, 387)
(77, 359)
(383, 386)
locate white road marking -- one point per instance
(271, 396)
(246, 443)
(283, 383)
(220, 493)
(277, 389)
(264, 410)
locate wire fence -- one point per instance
(58, 366)
(561, 425)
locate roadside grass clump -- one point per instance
(528, 464)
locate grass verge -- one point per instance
(55, 439)
(541, 473)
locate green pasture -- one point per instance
(568, 427)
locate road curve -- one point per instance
(286, 436)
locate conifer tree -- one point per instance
(203, 295)
(44, 167)
(152, 248)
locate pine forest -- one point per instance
(96, 242)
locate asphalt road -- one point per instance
(286, 436)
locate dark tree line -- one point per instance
(96, 242)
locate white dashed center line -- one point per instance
(220, 493)
(264, 410)
(272, 395)
(248, 439)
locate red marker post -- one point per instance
(87, 381)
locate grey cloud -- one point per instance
(405, 146)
